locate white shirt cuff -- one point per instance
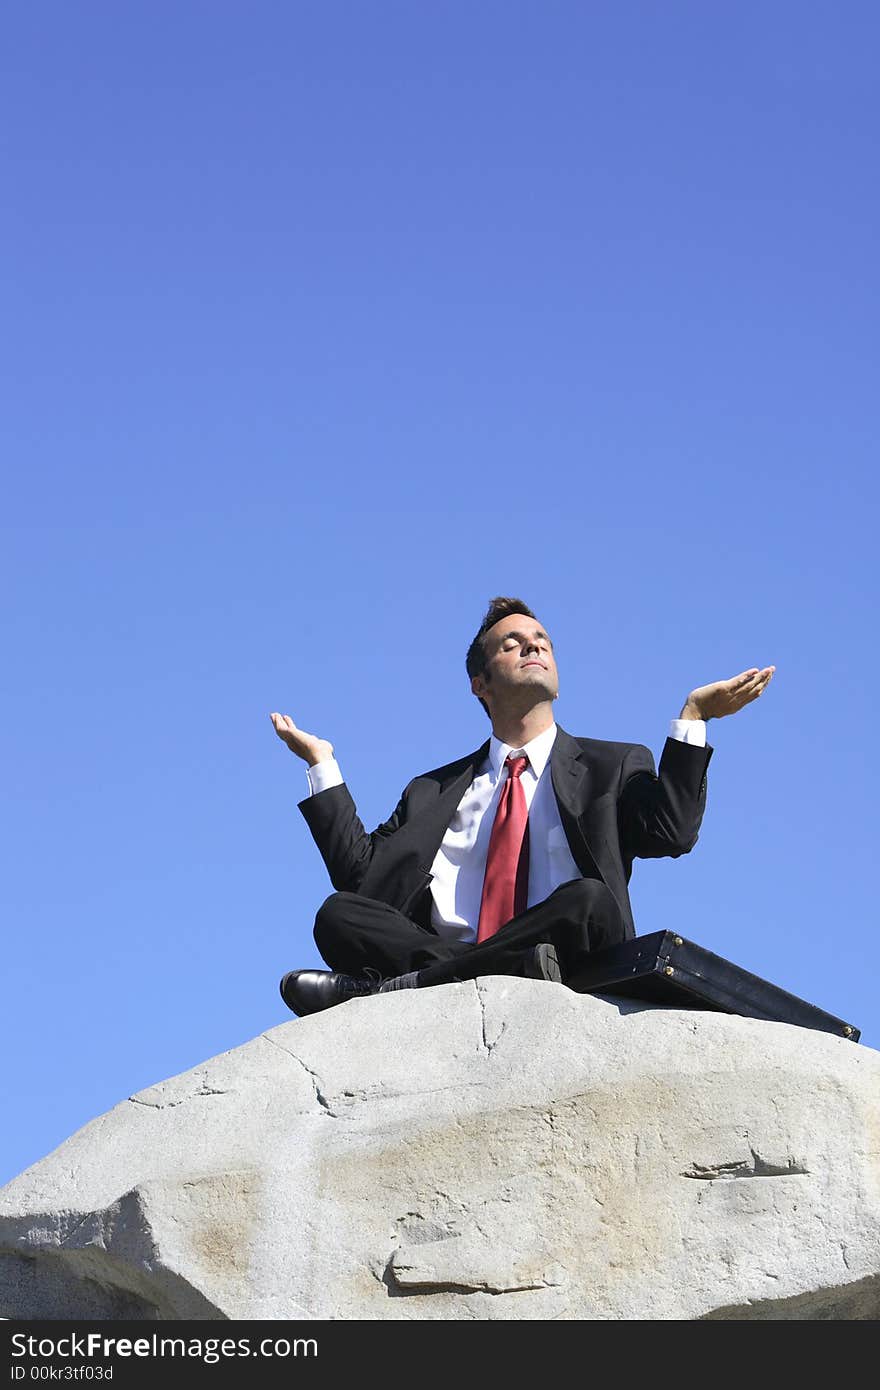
(323, 775)
(688, 731)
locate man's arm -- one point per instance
(660, 814)
(330, 812)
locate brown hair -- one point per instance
(499, 608)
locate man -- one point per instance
(515, 859)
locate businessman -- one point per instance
(516, 858)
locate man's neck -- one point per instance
(516, 730)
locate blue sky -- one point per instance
(323, 325)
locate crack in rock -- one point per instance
(179, 1100)
(313, 1076)
(409, 1272)
(316, 1085)
(756, 1167)
(482, 1287)
(489, 1046)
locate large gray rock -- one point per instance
(496, 1149)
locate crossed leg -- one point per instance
(354, 933)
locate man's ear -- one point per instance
(478, 687)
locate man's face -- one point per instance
(520, 665)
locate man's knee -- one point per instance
(330, 920)
(590, 895)
(593, 912)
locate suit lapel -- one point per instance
(568, 772)
(434, 823)
(571, 783)
(401, 871)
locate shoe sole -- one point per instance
(544, 964)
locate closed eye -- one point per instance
(515, 639)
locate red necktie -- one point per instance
(506, 885)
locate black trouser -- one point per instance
(354, 933)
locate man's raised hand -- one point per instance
(306, 746)
(726, 697)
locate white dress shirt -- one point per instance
(460, 864)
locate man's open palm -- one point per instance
(307, 746)
(726, 697)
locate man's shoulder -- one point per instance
(599, 749)
(448, 772)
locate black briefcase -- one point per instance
(667, 969)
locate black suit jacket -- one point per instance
(613, 805)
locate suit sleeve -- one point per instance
(659, 814)
(346, 847)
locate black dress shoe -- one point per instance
(542, 963)
(309, 991)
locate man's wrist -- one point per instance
(320, 752)
(690, 711)
(324, 774)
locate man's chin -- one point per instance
(537, 689)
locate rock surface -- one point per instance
(497, 1149)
